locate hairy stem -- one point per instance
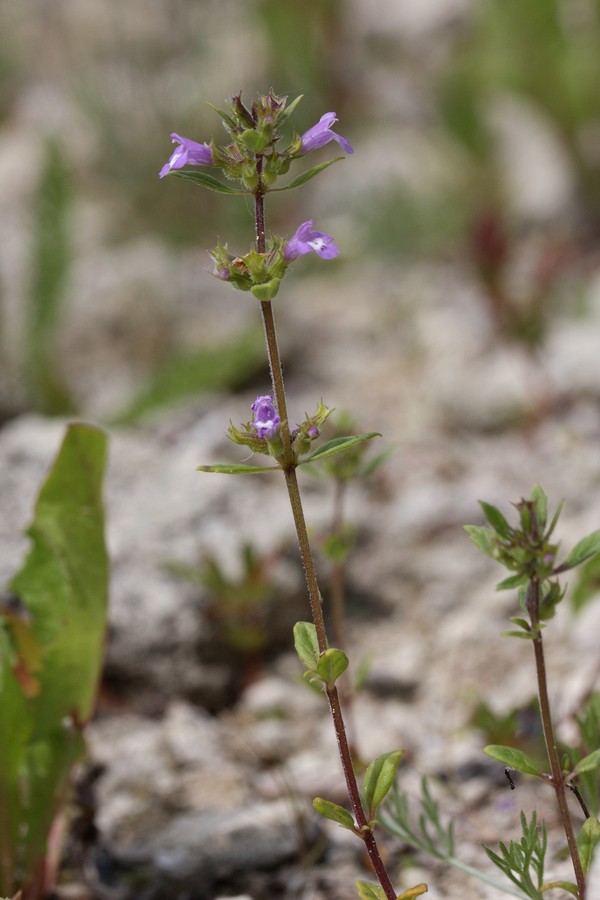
(558, 781)
(310, 575)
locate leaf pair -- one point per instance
(337, 445)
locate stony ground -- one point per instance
(202, 764)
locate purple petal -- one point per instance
(188, 153)
(266, 421)
(306, 240)
(321, 134)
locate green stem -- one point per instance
(310, 575)
(558, 781)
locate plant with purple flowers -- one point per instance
(253, 158)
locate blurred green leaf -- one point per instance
(516, 759)
(484, 538)
(496, 519)
(588, 584)
(367, 891)
(306, 176)
(379, 778)
(337, 445)
(587, 841)
(188, 373)
(331, 665)
(51, 258)
(586, 548)
(236, 469)
(306, 644)
(588, 763)
(334, 813)
(63, 588)
(207, 181)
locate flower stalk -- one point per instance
(558, 781)
(310, 575)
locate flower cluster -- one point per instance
(255, 132)
(252, 158)
(262, 434)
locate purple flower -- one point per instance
(266, 421)
(306, 241)
(188, 153)
(321, 133)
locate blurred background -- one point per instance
(461, 319)
(477, 136)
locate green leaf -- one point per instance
(225, 116)
(379, 778)
(63, 585)
(587, 547)
(367, 891)
(513, 581)
(484, 538)
(524, 635)
(567, 886)
(540, 501)
(588, 763)
(331, 665)
(48, 273)
(290, 109)
(232, 469)
(207, 181)
(516, 759)
(306, 176)
(587, 839)
(496, 519)
(306, 644)
(517, 620)
(415, 891)
(337, 445)
(588, 584)
(334, 813)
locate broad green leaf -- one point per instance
(331, 665)
(484, 538)
(513, 581)
(337, 445)
(587, 547)
(64, 581)
(588, 763)
(306, 644)
(334, 813)
(415, 891)
(367, 891)
(379, 778)
(516, 759)
(207, 181)
(496, 519)
(306, 176)
(232, 469)
(63, 585)
(587, 840)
